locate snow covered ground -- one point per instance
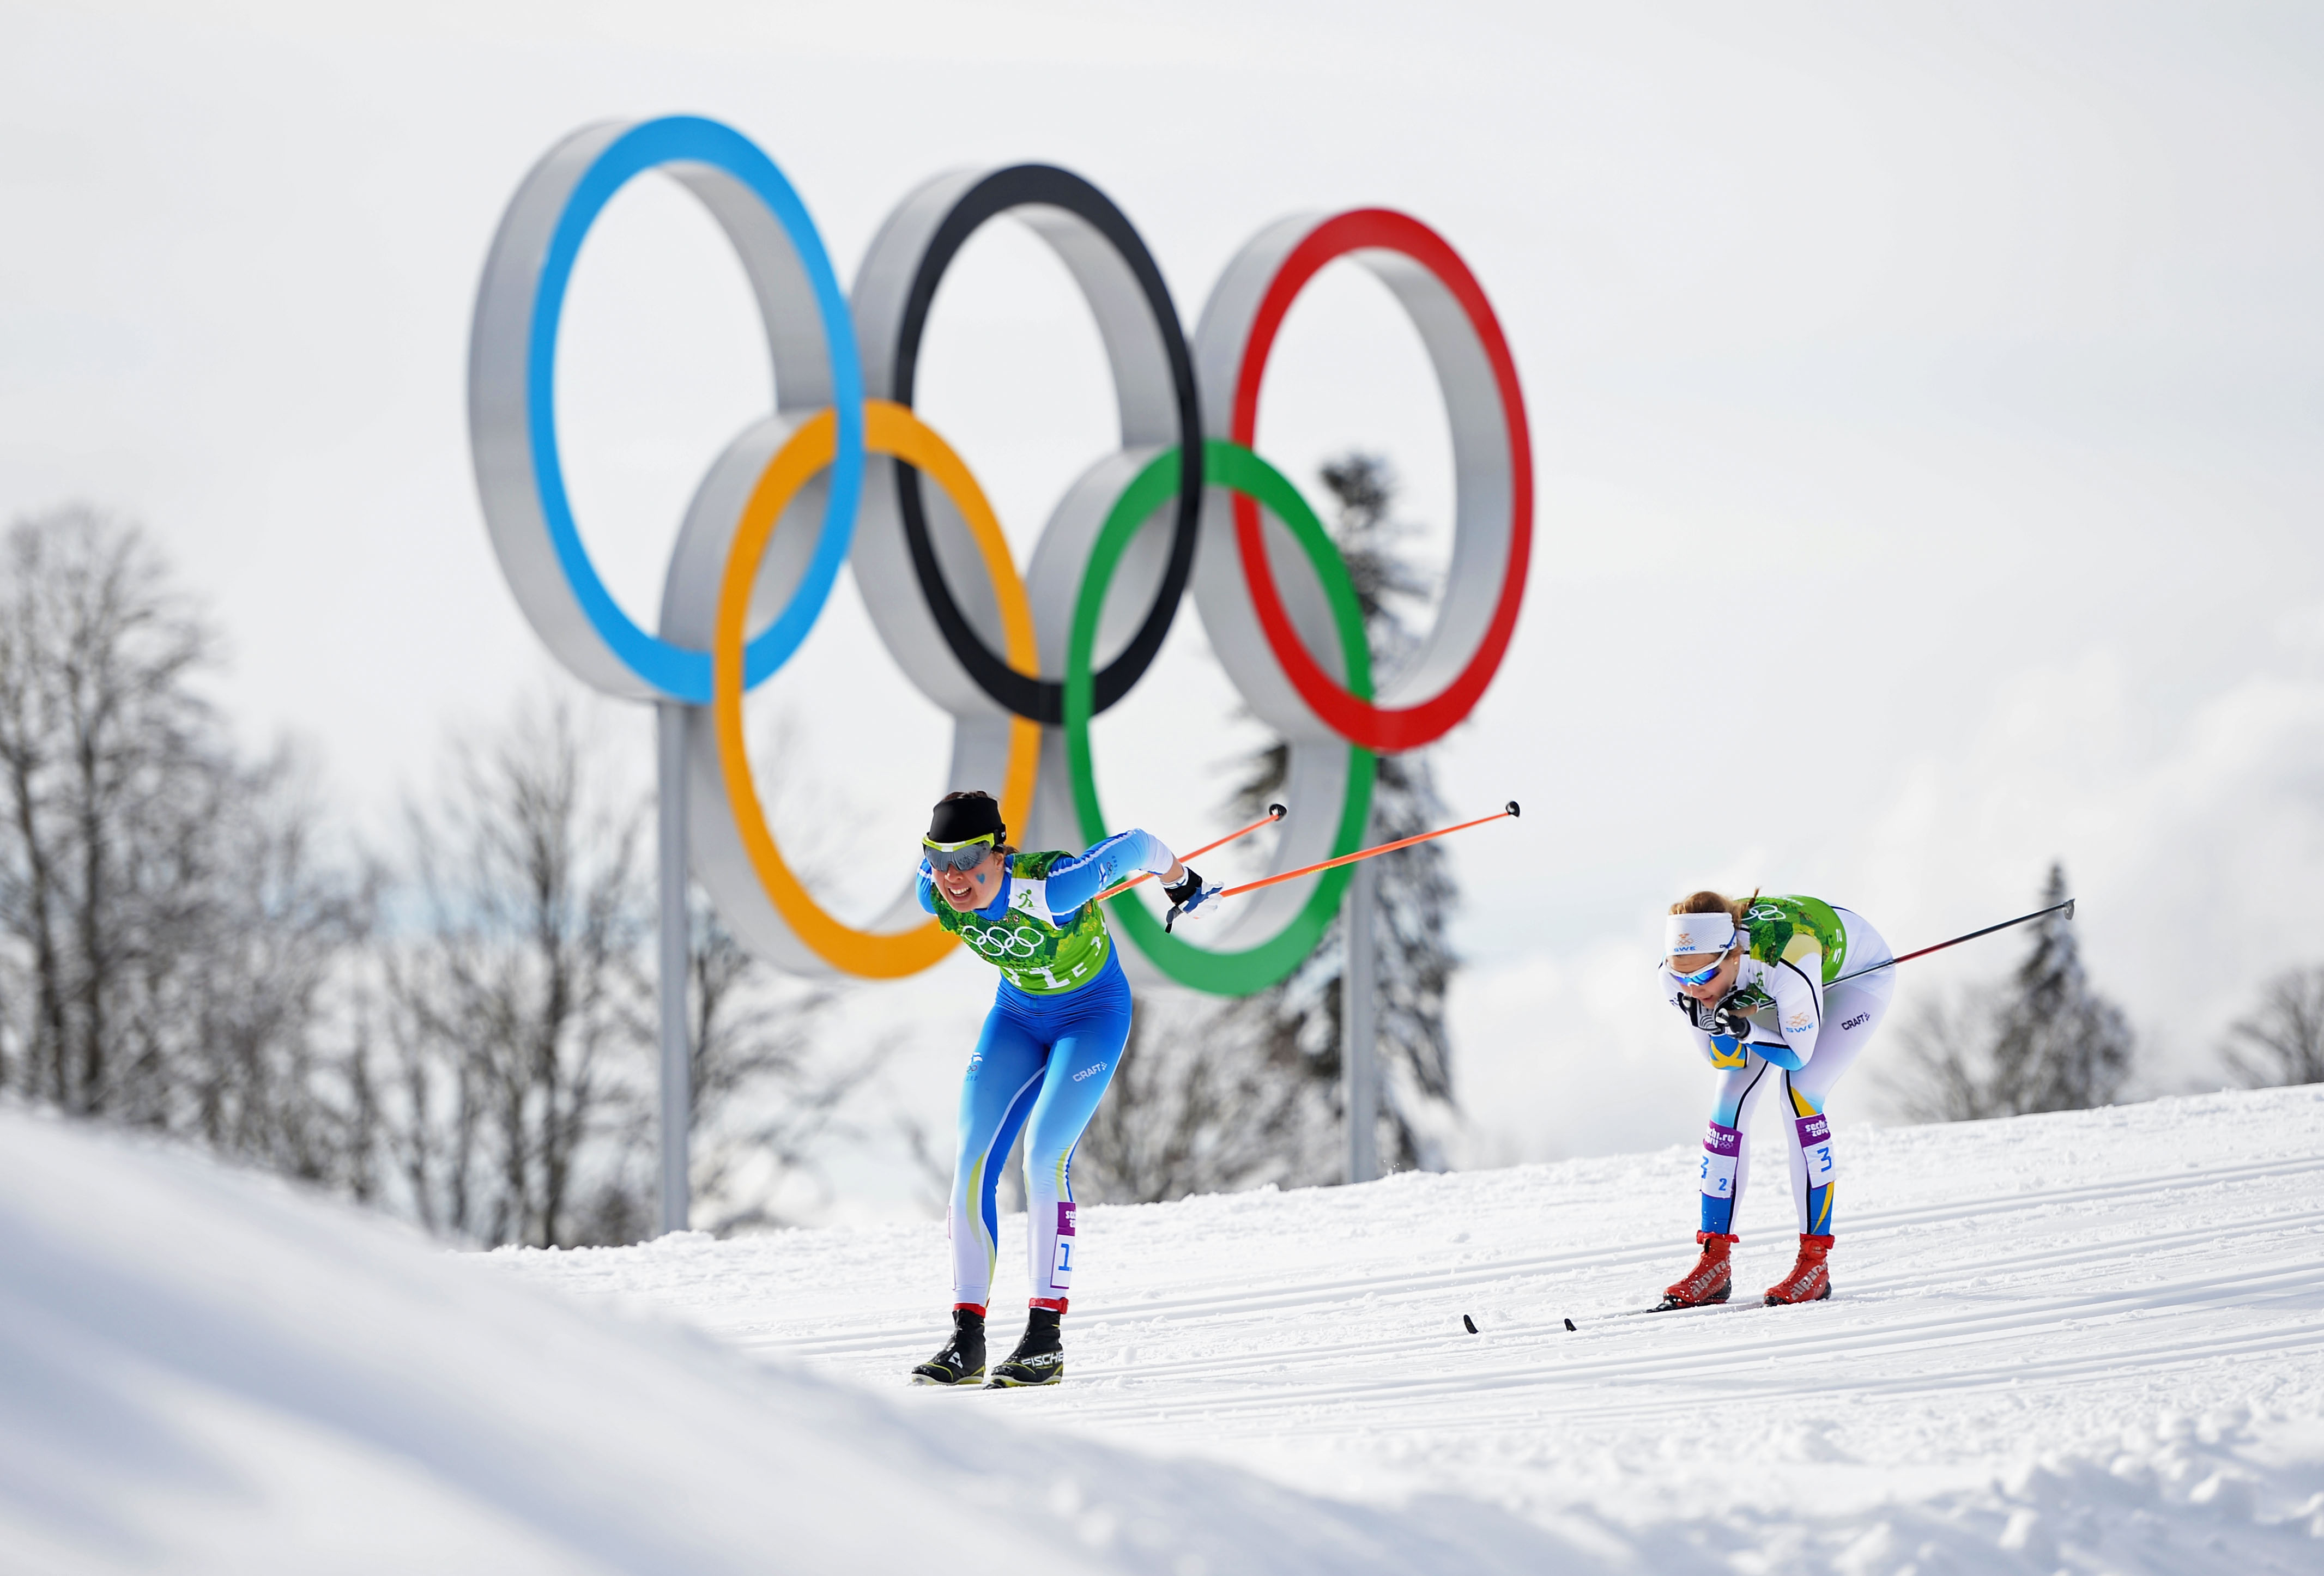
(204, 1371)
(2090, 1341)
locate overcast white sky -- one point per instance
(1925, 400)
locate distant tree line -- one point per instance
(2043, 1039)
(460, 1029)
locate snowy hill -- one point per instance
(204, 1371)
(2091, 1342)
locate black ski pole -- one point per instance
(2068, 906)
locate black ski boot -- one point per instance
(962, 1360)
(1039, 1359)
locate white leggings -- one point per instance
(1852, 1012)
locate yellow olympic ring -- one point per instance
(891, 430)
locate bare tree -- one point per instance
(170, 941)
(931, 1158)
(113, 768)
(763, 1106)
(1190, 1112)
(183, 947)
(2283, 1041)
(1945, 1072)
(275, 1069)
(518, 1002)
(523, 1016)
(2047, 1042)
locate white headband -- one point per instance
(1697, 933)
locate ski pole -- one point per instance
(2068, 906)
(1274, 813)
(1508, 813)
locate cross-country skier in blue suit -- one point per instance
(1051, 1043)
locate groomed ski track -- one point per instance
(2048, 1333)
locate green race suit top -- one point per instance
(1043, 929)
(1792, 930)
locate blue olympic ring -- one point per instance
(677, 672)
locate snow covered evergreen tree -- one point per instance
(2050, 1043)
(2062, 1047)
(1256, 1097)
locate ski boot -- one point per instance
(1039, 1359)
(1810, 1280)
(1710, 1280)
(962, 1360)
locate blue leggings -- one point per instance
(1046, 1059)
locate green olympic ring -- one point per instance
(1238, 469)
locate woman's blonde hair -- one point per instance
(1712, 903)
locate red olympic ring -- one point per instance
(1385, 729)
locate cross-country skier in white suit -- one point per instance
(1759, 982)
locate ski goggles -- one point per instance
(957, 856)
(1704, 976)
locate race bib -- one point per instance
(1061, 1266)
(1815, 1148)
(1721, 1148)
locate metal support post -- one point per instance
(1358, 1063)
(677, 1059)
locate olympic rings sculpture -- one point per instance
(840, 473)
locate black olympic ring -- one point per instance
(1023, 185)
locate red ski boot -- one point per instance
(1810, 1281)
(1709, 1281)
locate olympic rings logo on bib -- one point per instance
(999, 942)
(844, 473)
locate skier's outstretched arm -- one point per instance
(1073, 882)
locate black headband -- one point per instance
(958, 820)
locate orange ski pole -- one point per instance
(1274, 813)
(1508, 813)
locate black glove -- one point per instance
(1725, 1018)
(1186, 888)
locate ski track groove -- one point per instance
(1937, 1333)
(1867, 1231)
(1546, 1334)
(1510, 1409)
(1516, 1275)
